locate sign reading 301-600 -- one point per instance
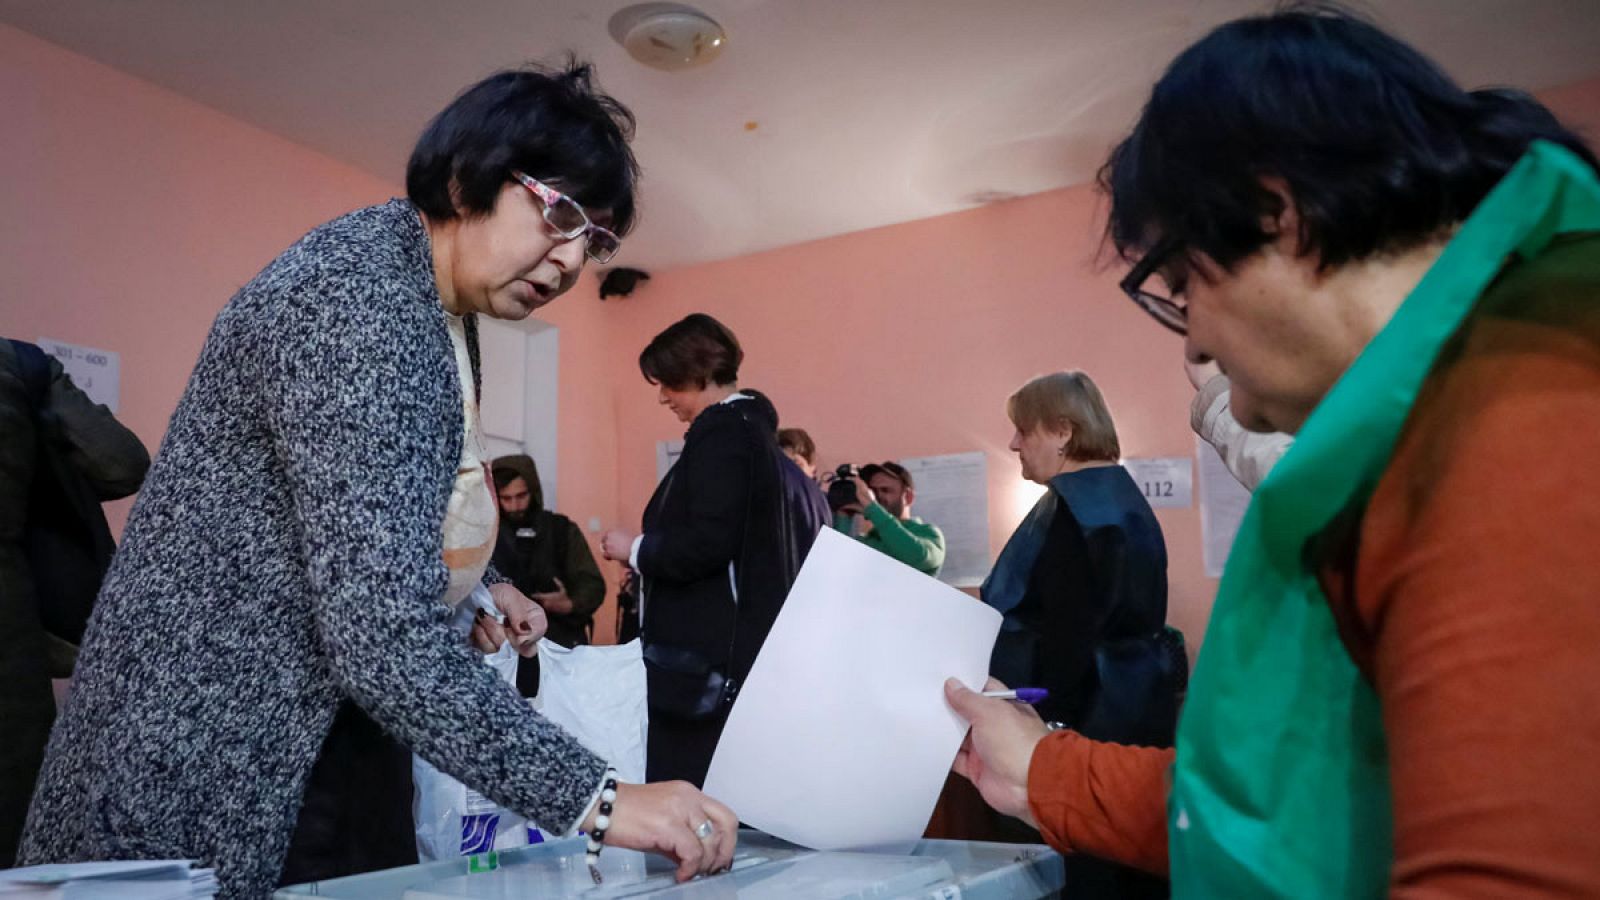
(97, 373)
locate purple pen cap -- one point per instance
(1032, 696)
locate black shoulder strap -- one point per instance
(469, 328)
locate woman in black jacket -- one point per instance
(724, 537)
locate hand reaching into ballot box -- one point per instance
(525, 622)
(673, 819)
(998, 750)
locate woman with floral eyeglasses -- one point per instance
(321, 502)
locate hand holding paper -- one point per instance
(998, 750)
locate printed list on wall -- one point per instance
(953, 493)
(97, 373)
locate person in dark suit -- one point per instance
(61, 455)
(724, 537)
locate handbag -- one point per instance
(685, 685)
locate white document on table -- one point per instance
(168, 879)
(841, 737)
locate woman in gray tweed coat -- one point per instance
(288, 551)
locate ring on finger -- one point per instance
(705, 830)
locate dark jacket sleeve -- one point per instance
(1075, 611)
(716, 482)
(108, 455)
(367, 426)
(585, 585)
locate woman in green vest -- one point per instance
(1399, 690)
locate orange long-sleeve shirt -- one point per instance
(1472, 602)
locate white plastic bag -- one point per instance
(452, 819)
(598, 695)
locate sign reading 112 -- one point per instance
(1167, 482)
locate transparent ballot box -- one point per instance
(764, 868)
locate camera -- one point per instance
(842, 490)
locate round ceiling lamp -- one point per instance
(668, 36)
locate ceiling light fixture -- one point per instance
(668, 36)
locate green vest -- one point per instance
(1281, 785)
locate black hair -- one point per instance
(692, 352)
(504, 475)
(1378, 148)
(552, 124)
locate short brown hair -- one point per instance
(801, 443)
(694, 351)
(1067, 401)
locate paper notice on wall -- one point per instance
(1166, 481)
(1223, 501)
(841, 737)
(667, 453)
(97, 373)
(952, 492)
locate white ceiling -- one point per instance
(868, 112)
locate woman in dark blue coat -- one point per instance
(1083, 588)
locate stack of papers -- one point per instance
(151, 879)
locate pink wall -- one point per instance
(905, 341)
(1577, 105)
(587, 444)
(132, 215)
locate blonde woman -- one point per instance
(1082, 584)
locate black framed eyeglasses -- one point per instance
(1162, 308)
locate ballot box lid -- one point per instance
(764, 868)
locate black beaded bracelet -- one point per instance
(602, 822)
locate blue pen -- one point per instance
(1030, 696)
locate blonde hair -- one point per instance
(1067, 401)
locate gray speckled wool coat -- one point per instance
(286, 552)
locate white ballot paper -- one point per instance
(841, 737)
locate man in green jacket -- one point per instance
(884, 493)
